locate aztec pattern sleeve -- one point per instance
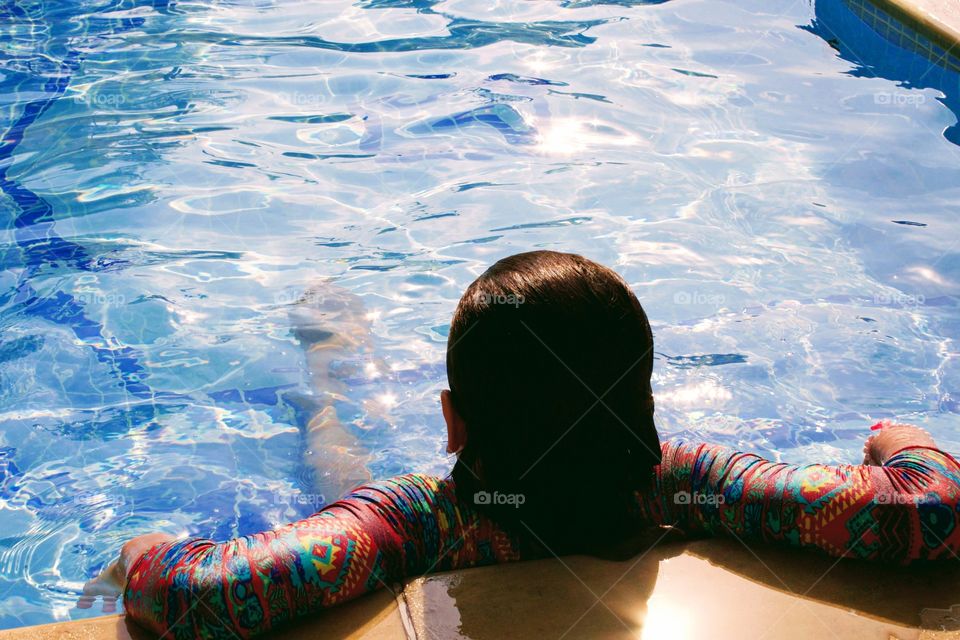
(375, 536)
(903, 511)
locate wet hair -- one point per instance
(549, 359)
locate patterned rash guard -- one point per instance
(906, 510)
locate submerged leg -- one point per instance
(332, 327)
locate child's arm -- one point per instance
(375, 536)
(902, 511)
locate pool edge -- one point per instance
(726, 588)
(928, 17)
(373, 617)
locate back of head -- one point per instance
(549, 360)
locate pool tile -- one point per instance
(928, 27)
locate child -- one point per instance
(550, 411)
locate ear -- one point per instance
(456, 427)
(649, 438)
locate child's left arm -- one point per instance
(904, 510)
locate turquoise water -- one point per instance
(778, 184)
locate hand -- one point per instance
(891, 438)
(110, 583)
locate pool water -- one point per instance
(777, 182)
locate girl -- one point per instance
(550, 412)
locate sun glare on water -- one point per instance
(565, 136)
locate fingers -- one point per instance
(868, 458)
(110, 604)
(891, 425)
(96, 588)
(891, 437)
(100, 586)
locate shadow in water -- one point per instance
(865, 36)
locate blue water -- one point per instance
(777, 182)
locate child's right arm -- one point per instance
(375, 536)
(902, 511)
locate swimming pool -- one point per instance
(777, 182)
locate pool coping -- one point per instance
(932, 18)
(723, 587)
(375, 616)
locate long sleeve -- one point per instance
(904, 511)
(375, 536)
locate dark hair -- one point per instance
(549, 360)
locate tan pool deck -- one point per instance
(939, 20)
(704, 589)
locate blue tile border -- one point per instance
(905, 31)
